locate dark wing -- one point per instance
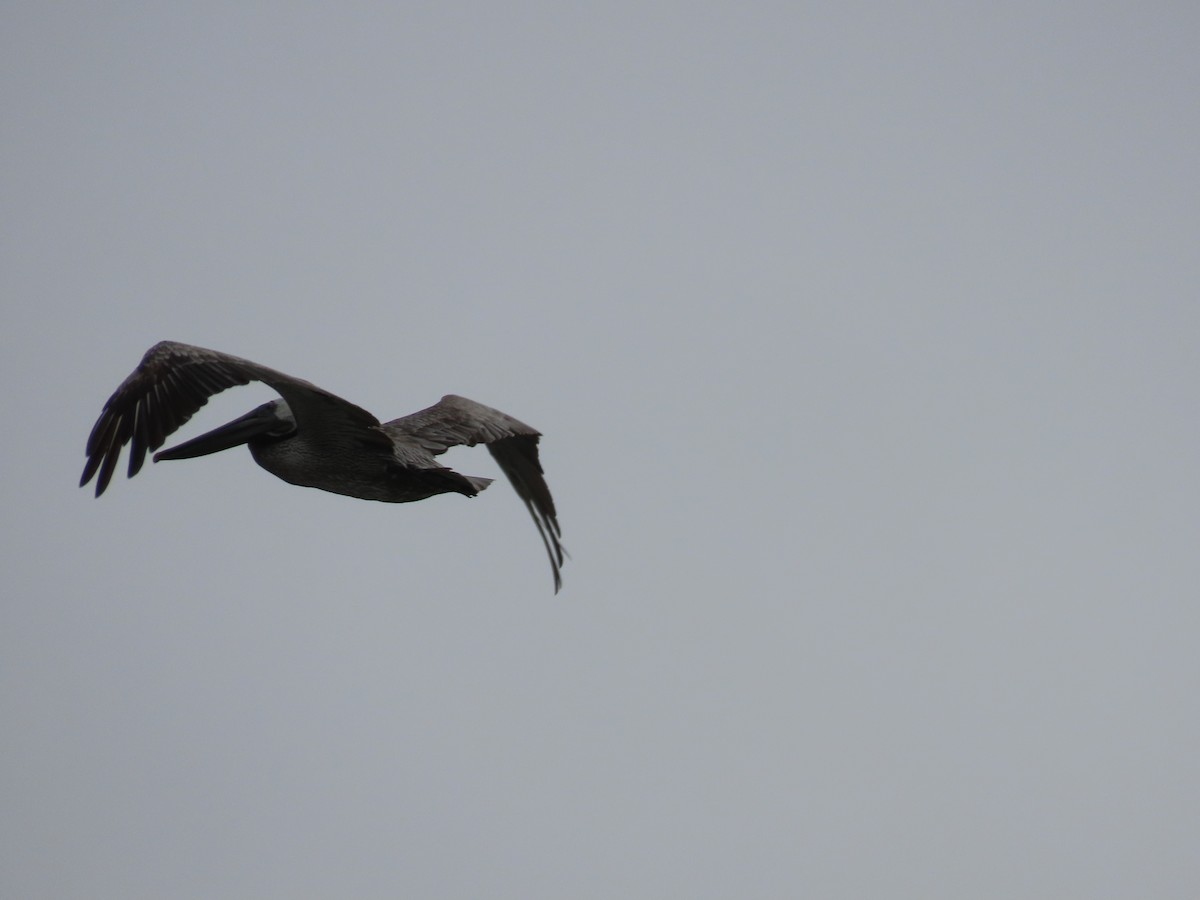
(456, 421)
(174, 380)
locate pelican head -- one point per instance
(271, 420)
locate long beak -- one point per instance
(239, 431)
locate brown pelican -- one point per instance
(314, 438)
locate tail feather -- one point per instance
(478, 483)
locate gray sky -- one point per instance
(864, 342)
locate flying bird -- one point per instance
(313, 438)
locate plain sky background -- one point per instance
(864, 341)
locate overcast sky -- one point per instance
(864, 342)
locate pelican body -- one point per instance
(313, 438)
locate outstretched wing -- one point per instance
(173, 381)
(456, 421)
